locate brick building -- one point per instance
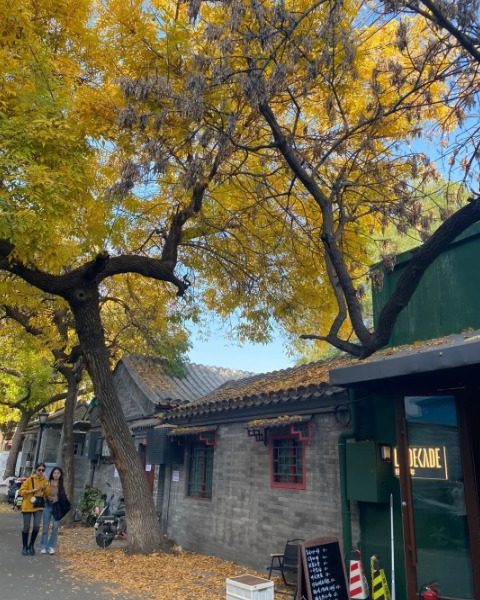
(256, 463)
(147, 389)
(237, 463)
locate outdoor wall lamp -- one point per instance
(42, 417)
(386, 453)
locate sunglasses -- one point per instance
(41, 470)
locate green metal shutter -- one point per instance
(161, 450)
(156, 446)
(175, 453)
(93, 438)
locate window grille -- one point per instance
(287, 462)
(200, 474)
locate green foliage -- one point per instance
(90, 498)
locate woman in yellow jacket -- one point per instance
(36, 486)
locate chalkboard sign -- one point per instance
(321, 575)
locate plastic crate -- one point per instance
(249, 587)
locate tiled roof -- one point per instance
(56, 418)
(277, 387)
(438, 354)
(151, 376)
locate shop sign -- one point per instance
(426, 462)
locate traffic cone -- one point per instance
(380, 589)
(357, 584)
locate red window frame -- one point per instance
(300, 444)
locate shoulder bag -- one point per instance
(60, 508)
(37, 501)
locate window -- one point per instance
(287, 462)
(200, 472)
(78, 448)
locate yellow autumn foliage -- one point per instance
(113, 111)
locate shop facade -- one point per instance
(415, 436)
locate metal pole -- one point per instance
(37, 452)
(392, 541)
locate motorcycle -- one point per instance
(111, 523)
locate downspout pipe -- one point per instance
(342, 459)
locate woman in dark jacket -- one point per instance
(48, 542)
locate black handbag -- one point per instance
(38, 502)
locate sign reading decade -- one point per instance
(321, 575)
(425, 462)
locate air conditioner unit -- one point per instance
(249, 587)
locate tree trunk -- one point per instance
(72, 380)
(144, 534)
(16, 443)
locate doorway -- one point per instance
(440, 493)
(149, 472)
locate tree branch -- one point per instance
(9, 371)
(353, 349)
(22, 319)
(423, 257)
(328, 238)
(441, 20)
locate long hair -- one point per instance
(61, 488)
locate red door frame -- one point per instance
(150, 475)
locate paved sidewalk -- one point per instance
(40, 577)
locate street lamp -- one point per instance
(42, 419)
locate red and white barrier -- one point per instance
(358, 586)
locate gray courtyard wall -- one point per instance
(246, 519)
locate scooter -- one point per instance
(111, 523)
(12, 492)
(12, 488)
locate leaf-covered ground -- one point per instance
(179, 576)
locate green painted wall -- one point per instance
(446, 301)
(448, 297)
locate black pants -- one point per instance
(28, 517)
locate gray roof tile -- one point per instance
(264, 389)
(199, 380)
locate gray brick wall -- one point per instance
(81, 465)
(105, 480)
(246, 519)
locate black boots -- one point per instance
(31, 549)
(25, 543)
(28, 549)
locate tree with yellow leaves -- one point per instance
(313, 106)
(258, 145)
(28, 384)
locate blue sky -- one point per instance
(221, 351)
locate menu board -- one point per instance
(321, 575)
